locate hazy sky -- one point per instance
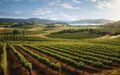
(67, 10)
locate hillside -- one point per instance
(30, 20)
(47, 21)
(91, 21)
(111, 25)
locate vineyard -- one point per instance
(59, 37)
(20, 38)
(40, 56)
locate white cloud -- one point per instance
(17, 0)
(93, 0)
(15, 17)
(115, 11)
(54, 2)
(42, 11)
(51, 16)
(69, 17)
(68, 6)
(64, 5)
(33, 0)
(55, 15)
(76, 1)
(104, 4)
(108, 11)
(18, 12)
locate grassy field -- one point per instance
(75, 35)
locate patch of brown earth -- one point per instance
(38, 68)
(14, 65)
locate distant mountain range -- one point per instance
(46, 21)
(90, 22)
(30, 20)
(115, 24)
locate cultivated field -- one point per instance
(59, 50)
(24, 55)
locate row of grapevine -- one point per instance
(111, 56)
(20, 38)
(97, 62)
(3, 60)
(83, 49)
(75, 58)
(64, 59)
(46, 61)
(114, 41)
(24, 61)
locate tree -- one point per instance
(16, 32)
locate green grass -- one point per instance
(75, 35)
(33, 32)
(110, 30)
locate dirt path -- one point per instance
(108, 37)
(38, 68)
(103, 37)
(112, 37)
(14, 65)
(3, 28)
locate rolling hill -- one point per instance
(113, 25)
(90, 22)
(30, 20)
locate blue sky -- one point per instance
(65, 10)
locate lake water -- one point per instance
(81, 24)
